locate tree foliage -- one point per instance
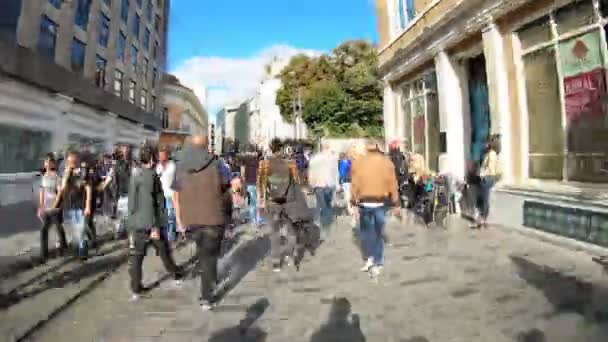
(341, 92)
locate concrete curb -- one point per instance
(561, 241)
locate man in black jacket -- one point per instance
(146, 215)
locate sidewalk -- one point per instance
(456, 285)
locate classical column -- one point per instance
(389, 113)
(454, 113)
(498, 89)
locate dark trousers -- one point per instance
(138, 242)
(485, 188)
(49, 219)
(208, 245)
(91, 230)
(282, 237)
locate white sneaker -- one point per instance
(134, 297)
(208, 306)
(368, 265)
(375, 271)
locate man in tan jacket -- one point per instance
(374, 186)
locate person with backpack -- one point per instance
(198, 198)
(147, 213)
(276, 180)
(489, 174)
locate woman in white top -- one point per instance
(488, 174)
(48, 214)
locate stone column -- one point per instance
(454, 113)
(389, 113)
(498, 89)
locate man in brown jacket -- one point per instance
(374, 186)
(199, 209)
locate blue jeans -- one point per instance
(171, 225)
(73, 219)
(324, 198)
(253, 203)
(372, 221)
(485, 187)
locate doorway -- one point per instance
(480, 107)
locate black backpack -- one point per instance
(279, 180)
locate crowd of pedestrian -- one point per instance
(156, 198)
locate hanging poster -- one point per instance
(583, 95)
(580, 54)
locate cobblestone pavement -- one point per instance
(438, 286)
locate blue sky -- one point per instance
(240, 33)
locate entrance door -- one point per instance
(480, 107)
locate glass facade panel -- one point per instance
(419, 126)
(536, 32)
(135, 28)
(118, 78)
(21, 150)
(81, 18)
(104, 30)
(574, 15)
(544, 115)
(124, 10)
(78, 52)
(47, 38)
(122, 46)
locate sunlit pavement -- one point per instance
(454, 285)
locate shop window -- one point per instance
(585, 105)
(574, 16)
(432, 133)
(122, 46)
(153, 104)
(407, 113)
(47, 38)
(604, 7)
(104, 30)
(9, 18)
(544, 115)
(143, 99)
(21, 149)
(118, 78)
(78, 52)
(134, 57)
(100, 72)
(135, 28)
(419, 126)
(534, 33)
(81, 17)
(132, 85)
(146, 40)
(124, 10)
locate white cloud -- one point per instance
(220, 81)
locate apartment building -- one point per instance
(183, 114)
(532, 73)
(78, 73)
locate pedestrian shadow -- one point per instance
(565, 293)
(64, 278)
(25, 263)
(14, 271)
(338, 327)
(245, 331)
(240, 262)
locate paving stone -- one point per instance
(454, 285)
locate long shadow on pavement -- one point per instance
(101, 253)
(567, 294)
(338, 328)
(245, 331)
(13, 266)
(243, 259)
(86, 270)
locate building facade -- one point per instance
(183, 113)
(81, 73)
(225, 126)
(532, 73)
(266, 122)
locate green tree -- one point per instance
(341, 92)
